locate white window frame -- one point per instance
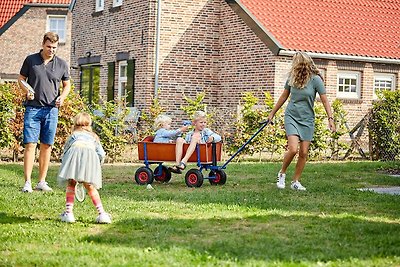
(122, 78)
(117, 3)
(384, 77)
(99, 5)
(349, 75)
(62, 37)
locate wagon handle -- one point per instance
(264, 124)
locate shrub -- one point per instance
(335, 145)
(109, 125)
(246, 125)
(319, 144)
(384, 125)
(7, 112)
(147, 118)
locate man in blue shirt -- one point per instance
(44, 72)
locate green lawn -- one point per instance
(247, 222)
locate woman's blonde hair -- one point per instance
(199, 115)
(303, 67)
(82, 121)
(161, 120)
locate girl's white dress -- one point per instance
(81, 159)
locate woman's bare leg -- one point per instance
(301, 161)
(292, 149)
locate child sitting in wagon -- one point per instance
(199, 135)
(164, 134)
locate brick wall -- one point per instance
(25, 37)
(128, 28)
(246, 63)
(189, 51)
(204, 46)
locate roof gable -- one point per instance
(366, 28)
(9, 8)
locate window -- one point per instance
(348, 85)
(99, 5)
(58, 24)
(90, 84)
(117, 3)
(382, 82)
(122, 79)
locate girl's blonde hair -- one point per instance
(199, 115)
(303, 67)
(161, 120)
(82, 121)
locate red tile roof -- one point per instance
(8, 8)
(349, 27)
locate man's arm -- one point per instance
(28, 94)
(64, 94)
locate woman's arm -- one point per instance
(328, 110)
(282, 99)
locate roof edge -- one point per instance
(47, 5)
(14, 18)
(266, 37)
(22, 11)
(284, 52)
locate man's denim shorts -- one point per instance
(40, 122)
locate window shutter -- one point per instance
(130, 84)
(111, 81)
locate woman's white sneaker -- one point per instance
(280, 181)
(296, 185)
(27, 188)
(43, 186)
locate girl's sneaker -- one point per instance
(67, 217)
(296, 185)
(280, 181)
(104, 218)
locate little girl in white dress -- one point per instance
(81, 162)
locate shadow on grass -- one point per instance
(6, 219)
(272, 237)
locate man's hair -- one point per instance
(51, 36)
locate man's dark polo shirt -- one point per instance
(44, 79)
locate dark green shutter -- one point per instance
(130, 84)
(111, 81)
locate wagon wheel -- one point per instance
(220, 177)
(194, 178)
(144, 176)
(162, 175)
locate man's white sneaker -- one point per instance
(104, 218)
(67, 217)
(27, 187)
(43, 186)
(280, 181)
(297, 186)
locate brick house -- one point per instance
(22, 26)
(225, 47)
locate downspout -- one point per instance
(157, 49)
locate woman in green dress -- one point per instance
(302, 85)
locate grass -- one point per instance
(247, 222)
